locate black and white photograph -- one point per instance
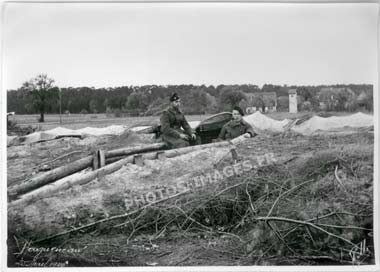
(190, 135)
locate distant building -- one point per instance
(329, 97)
(263, 102)
(292, 100)
(362, 98)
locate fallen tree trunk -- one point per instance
(108, 169)
(76, 166)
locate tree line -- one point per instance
(40, 95)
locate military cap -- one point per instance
(174, 97)
(237, 108)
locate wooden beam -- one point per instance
(160, 155)
(95, 161)
(135, 149)
(102, 158)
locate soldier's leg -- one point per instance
(180, 143)
(174, 142)
(197, 141)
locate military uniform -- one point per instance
(234, 129)
(172, 121)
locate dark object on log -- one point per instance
(234, 154)
(210, 128)
(156, 129)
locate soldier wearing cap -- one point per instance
(176, 131)
(236, 127)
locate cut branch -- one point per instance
(306, 224)
(285, 193)
(108, 219)
(338, 179)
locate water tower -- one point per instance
(292, 101)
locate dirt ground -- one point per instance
(108, 245)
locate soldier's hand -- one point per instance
(193, 136)
(184, 136)
(247, 135)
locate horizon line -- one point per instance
(209, 85)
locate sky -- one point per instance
(119, 44)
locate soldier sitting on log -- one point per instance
(176, 131)
(236, 127)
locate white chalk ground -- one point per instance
(193, 124)
(263, 122)
(312, 125)
(256, 119)
(136, 129)
(334, 122)
(111, 130)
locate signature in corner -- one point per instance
(43, 264)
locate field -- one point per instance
(78, 121)
(310, 203)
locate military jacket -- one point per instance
(172, 120)
(234, 128)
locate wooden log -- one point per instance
(114, 159)
(102, 158)
(135, 149)
(71, 181)
(160, 155)
(95, 161)
(108, 169)
(183, 150)
(48, 177)
(76, 166)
